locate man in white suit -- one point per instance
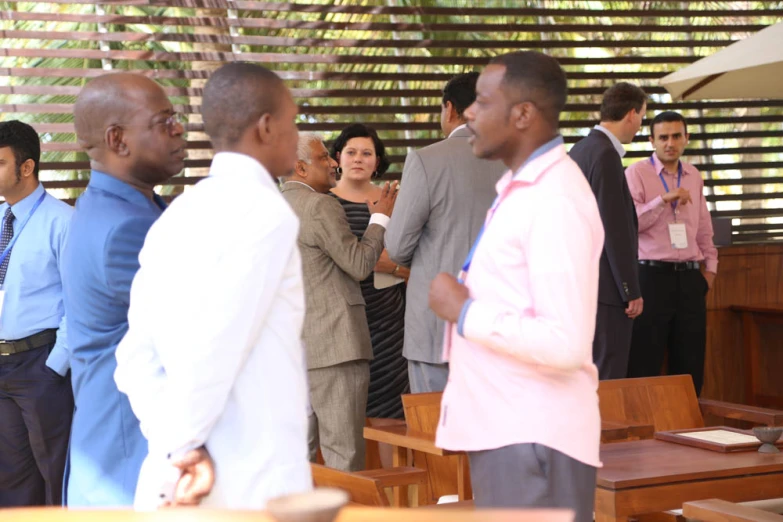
(444, 197)
(213, 362)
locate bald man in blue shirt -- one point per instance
(36, 403)
(128, 127)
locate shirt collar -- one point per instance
(235, 163)
(540, 151)
(463, 126)
(303, 184)
(23, 207)
(615, 142)
(659, 166)
(109, 183)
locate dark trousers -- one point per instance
(612, 341)
(532, 476)
(36, 407)
(674, 317)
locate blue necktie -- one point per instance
(5, 239)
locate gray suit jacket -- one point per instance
(444, 197)
(333, 263)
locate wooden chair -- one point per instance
(375, 452)
(670, 403)
(447, 475)
(367, 487)
(715, 510)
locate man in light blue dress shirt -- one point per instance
(129, 128)
(36, 403)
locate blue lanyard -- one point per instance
(469, 259)
(665, 185)
(7, 250)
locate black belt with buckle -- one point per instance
(32, 342)
(670, 265)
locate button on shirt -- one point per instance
(33, 286)
(655, 214)
(522, 372)
(214, 355)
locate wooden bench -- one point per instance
(715, 510)
(367, 487)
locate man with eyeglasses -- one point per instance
(133, 137)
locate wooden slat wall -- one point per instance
(385, 63)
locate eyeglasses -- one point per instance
(172, 121)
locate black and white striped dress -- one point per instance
(386, 318)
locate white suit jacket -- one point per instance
(214, 355)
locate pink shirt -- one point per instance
(655, 214)
(523, 372)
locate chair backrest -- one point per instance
(363, 490)
(422, 413)
(667, 403)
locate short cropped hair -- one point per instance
(621, 98)
(23, 141)
(303, 146)
(359, 130)
(538, 77)
(667, 116)
(235, 97)
(461, 91)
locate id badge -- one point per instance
(678, 236)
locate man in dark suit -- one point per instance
(599, 155)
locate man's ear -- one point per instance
(299, 169)
(522, 115)
(27, 167)
(451, 112)
(115, 140)
(264, 128)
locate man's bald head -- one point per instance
(111, 99)
(235, 97)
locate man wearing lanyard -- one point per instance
(519, 344)
(675, 237)
(36, 403)
(128, 127)
(444, 196)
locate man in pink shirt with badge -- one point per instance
(675, 239)
(521, 395)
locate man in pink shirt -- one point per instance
(521, 395)
(675, 237)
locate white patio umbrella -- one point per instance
(749, 69)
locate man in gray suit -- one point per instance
(336, 335)
(444, 197)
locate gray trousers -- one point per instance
(338, 396)
(532, 475)
(427, 377)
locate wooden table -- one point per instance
(346, 515)
(649, 476)
(617, 431)
(760, 355)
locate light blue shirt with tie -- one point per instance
(33, 285)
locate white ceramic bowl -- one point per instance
(319, 505)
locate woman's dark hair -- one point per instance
(359, 130)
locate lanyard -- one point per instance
(665, 185)
(7, 250)
(469, 259)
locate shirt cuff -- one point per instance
(462, 314)
(58, 360)
(711, 265)
(380, 219)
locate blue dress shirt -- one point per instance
(100, 260)
(33, 286)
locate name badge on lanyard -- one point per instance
(7, 250)
(678, 236)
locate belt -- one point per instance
(28, 343)
(669, 265)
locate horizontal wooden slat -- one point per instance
(743, 181)
(322, 25)
(747, 196)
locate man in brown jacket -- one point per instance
(336, 335)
